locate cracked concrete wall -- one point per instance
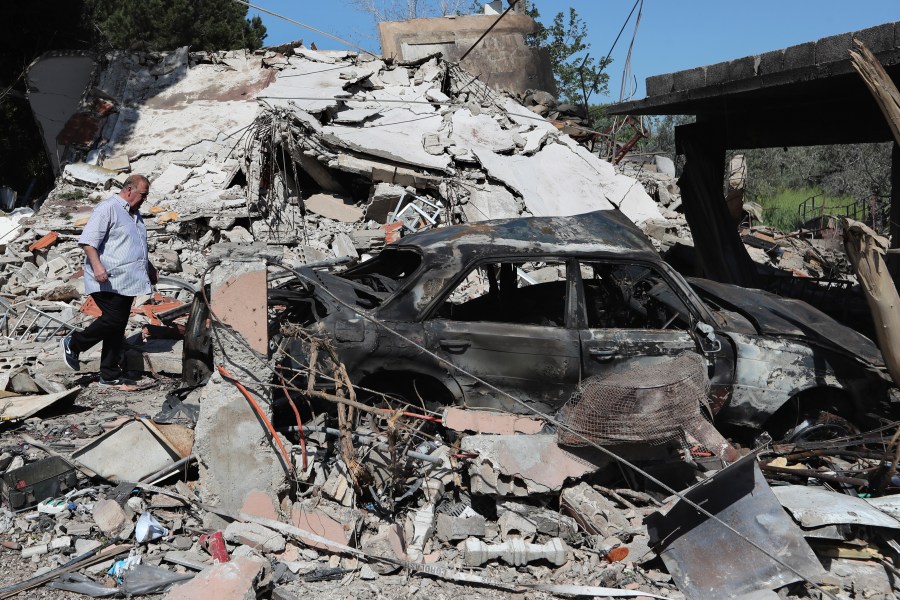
(237, 455)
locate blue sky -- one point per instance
(673, 34)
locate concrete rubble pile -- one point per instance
(261, 164)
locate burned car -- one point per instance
(534, 305)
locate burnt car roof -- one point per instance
(602, 231)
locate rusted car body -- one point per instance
(532, 306)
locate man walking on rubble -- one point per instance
(116, 269)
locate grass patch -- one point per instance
(782, 211)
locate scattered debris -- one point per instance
(355, 379)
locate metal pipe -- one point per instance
(167, 471)
(817, 475)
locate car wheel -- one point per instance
(820, 427)
(814, 415)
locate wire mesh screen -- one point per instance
(649, 403)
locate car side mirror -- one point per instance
(707, 334)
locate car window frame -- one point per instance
(696, 308)
(430, 312)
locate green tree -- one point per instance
(169, 24)
(577, 74)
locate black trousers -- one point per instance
(108, 328)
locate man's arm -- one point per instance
(93, 257)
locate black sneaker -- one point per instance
(118, 381)
(70, 356)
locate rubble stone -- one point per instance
(594, 508)
(234, 580)
(520, 465)
(333, 207)
(109, 516)
(389, 543)
(255, 535)
(451, 528)
(383, 200)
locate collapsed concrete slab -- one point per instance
(561, 180)
(520, 465)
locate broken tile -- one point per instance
(483, 421)
(109, 516)
(320, 524)
(256, 536)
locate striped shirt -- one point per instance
(120, 238)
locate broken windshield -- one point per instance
(383, 274)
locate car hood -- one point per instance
(777, 316)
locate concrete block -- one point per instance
(234, 580)
(238, 235)
(165, 184)
(82, 546)
(109, 516)
(689, 79)
(117, 163)
(514, 524)
(77, 528)
(732, 70)
(256, 536)
(237, 456)
(543, 520)
(833, 48)
(770, 62)
(383, 200)
(342, 245)
(659, 85)
(877, 39)
(451, 528)
(799, 56)
(595, 509)
(236, 453)
(389, 543)
(490, 202)
(664, 165)
(22, 383)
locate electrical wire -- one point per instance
(512, 3)
(319, 31)
(564, 426)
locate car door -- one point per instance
(506, 323)
(626, 326)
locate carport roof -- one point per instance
(802, 95)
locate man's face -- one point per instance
(135, 194)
